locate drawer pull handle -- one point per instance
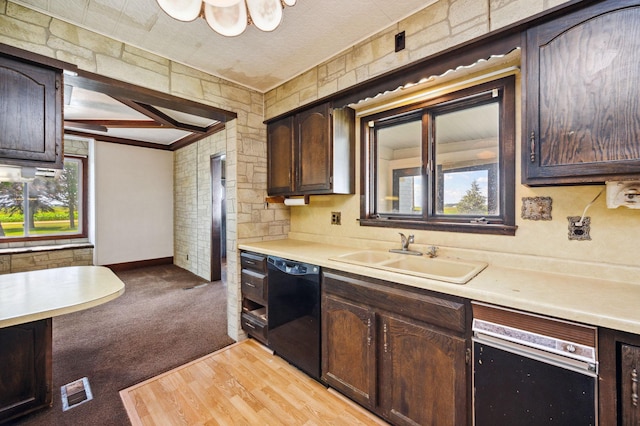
(249, 284)
(634, 387)
(248, 324)
(386, 344)
(532, 147)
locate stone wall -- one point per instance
(192, 203)
(442, 25)
(24, 261)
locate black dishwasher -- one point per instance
(532, 370)
(294, 313)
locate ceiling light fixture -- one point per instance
(229, 17)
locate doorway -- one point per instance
(218, 216)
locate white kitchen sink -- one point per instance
(450, 270)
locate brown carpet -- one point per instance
(155, 326)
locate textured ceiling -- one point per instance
(311, 32)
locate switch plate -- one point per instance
(335, 218)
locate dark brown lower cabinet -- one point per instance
(423, 374)
(400, 352)
(25, 372)
(349, 349)
(619, 356)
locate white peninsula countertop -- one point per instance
(596, 294)
(36, 295)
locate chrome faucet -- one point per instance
(405, 245)
(405, 241)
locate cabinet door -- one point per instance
(313, 145)
(280, 173)
(26, 374)
(582, 96)
(424, 374)
(30, 115)
(629, 376)
(348, 349)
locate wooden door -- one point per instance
(280, 172)
(423, 374)
(30, 114)
(313, 143)
(582, 96)
(348, 349)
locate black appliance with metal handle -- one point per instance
(532, 370)
(294, 313)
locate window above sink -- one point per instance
(446, 163)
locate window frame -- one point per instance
(504, 224)
(84, 204)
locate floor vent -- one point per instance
(75, 393)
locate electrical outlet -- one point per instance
(335, 218)
(400, 41)
(581, 231)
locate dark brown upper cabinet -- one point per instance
(30, 114)
(312, 152)
(582, 100)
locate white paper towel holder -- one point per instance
(297, 201)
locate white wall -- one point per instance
(133, 203)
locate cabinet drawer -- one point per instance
(253, 261)
(255, 327)
(254, 285)
(438, 309)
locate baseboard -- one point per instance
(127, 266)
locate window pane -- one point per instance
(52, 207)
(466, 155)
(53, 202)
(398, 165)
(11, 209)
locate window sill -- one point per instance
(471, 228)
(53, 247)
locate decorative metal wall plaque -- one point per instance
(536, 208)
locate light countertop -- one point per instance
(599, 295)
(36, 295)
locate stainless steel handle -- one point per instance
(634, 387)
(248, 324)
(249, 284)
(369, 332)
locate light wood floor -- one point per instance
(242, 384)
